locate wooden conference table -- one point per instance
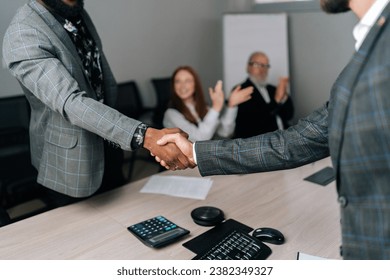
(306, 213)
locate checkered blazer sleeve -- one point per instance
(300, 144)
(41, 62)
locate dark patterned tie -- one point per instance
(89, 54)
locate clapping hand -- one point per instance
(239, 96)
(281, 94)
(217, 96)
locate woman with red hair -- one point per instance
(189, 111)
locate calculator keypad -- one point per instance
(158, 231)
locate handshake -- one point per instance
(170, 147)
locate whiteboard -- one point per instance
(245, 33)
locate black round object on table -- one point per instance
(207, 216)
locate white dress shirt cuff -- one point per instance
(194, 153)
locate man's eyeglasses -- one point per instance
(259, 65)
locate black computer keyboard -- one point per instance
(237, 245)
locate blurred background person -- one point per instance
(270, 107)
(189, 111)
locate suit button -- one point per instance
(343, 201)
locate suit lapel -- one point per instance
(91, 28)
(56, 27)
(62, 34)
(343, 89)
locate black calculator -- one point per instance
(157, 232)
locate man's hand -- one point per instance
(170, 154)
(217, 96)
(181, 142)
(239, 96)
(281, 94)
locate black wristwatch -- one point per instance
(139, 136)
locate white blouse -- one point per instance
(213, 124)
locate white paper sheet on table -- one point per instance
(180, 186)
(304, 256)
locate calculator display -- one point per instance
(157, 232)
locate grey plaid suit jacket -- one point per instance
(354, 128)
(67, 124)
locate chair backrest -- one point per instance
(14, 112)
(14, 121)
(4, 217)
(15, 160)
(129, 100)
(162, 87)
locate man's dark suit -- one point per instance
(256, 117)
(353, 127)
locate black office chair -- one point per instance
(162, 87)
(4, 217)
(14, 142)
(17, 175)
(129, 103)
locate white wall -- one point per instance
(320, 47)
(143, 39)
(149, 38)
(246, 33)
(8, 85)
